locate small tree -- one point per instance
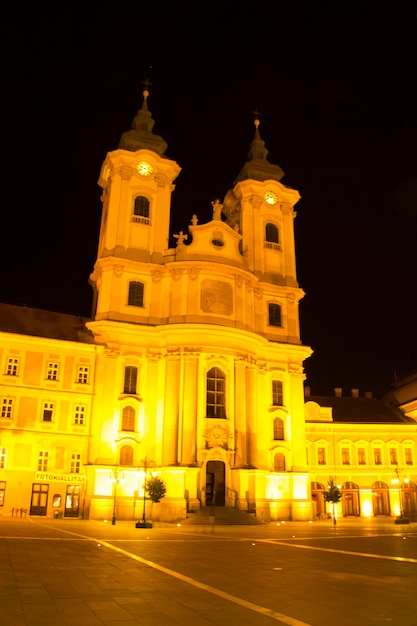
(333, 495)
(156, 490)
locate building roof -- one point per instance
(24, 320)
(360, 410)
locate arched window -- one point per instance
(130, 379)
(279, 462)
(128, 419)
(274, 315)
(216, 396)
(141, 210)
(271, 234)
(126, 455)
(135, 297)
(278, 429)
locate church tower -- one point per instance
(200, 373)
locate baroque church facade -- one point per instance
(190, 368)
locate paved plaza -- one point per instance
(87, 573)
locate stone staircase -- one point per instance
(223, 516)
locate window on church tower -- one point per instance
(130, 379)
(216, 397)
(126, 455)
(141, 210)
(271, 236)
(128, 419)
(279, 462)
(278, 429)
(277, 393)
(274, 315)
(135, 297)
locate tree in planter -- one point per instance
(156, 490)
(333, 495)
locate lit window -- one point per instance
(43, 461)
(130, 380)
(79, 414)
(279, 462)
(216, 385)
(377, 456)
(12, 366)
(345, 456)
(274, 315)
(141, 210)
(2, 492)
(52, 373)
(408, 456)
(278, 429)
(75, 463)
(126, 455)
(135, 297)
(321, 456)
(48, 411)
(83, 374)
(361, 456)
(3, 457)
(393, 458)
(128, 419)
(277, 393)
(6, 408)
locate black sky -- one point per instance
(336, 85)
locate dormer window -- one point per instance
(141, 210)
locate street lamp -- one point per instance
(114, 478)
(397, 481)
(146, 463)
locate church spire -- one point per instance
(258, 166)
(141, 135)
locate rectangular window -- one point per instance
(75, 463)
(361, 456)
(135, 297)
(48, 411)
(377, 456)
(130, 380)
(43, 461)
(274, 315)
(3, 457)
(52, 372)
(393, 458)
(345, 456)
(83, 373)
(79, 414)
(12, 366)
(277, 393)
(6, 408)
(321, 456)
(2, 492)
(408, 456)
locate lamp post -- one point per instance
(397, 481)
(114, 477)
(145, 463)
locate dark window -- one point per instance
(126, 455)
(279, 462)
(135, 294)
(131, 378)
(277, 393)
(361, 456)
(278, 429)
(128, 419)
(48, 409)
(141, 209)
(271, 233)
(274, 315)
(216, 385)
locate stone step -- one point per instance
(223, 516)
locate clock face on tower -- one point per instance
(270, 197)
(144, 168)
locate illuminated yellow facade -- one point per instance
(191, 367)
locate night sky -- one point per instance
(335, 83)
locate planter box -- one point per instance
(142, 524)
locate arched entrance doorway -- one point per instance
(319, 503)
(380, 498)
(215, 483)
(350, 499)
